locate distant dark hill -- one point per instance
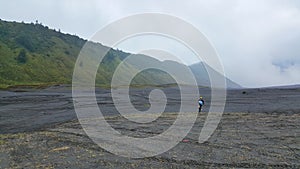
(182, 71)
(202, 77)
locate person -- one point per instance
(201, 103)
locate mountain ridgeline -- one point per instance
(33, 54)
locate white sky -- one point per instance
(258, 41)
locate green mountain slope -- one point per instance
(34, 54)
(48, 55)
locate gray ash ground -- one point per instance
(259, 129)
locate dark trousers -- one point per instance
(200, 107)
